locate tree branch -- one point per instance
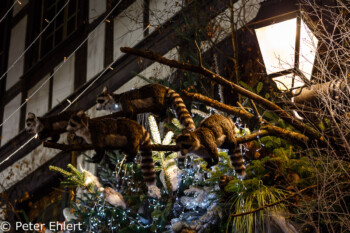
(219, 79)
(253, 136)
(275, 203)
(81, 147)
(271, 129)
(219, 106)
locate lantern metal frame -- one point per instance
(295, 70)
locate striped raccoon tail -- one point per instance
(181, 111)
(147, 167)
(237, 161)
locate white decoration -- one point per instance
(68, 215)
(154, 191)
(154, 130)
(174, 175)
(91, 179)
(202, 197)
(113, 197)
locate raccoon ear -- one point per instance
(31, 115)
(80, 113)
(105, 90)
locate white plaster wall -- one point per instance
(128, 28)
(96, 8)
(154, 70)
(96, 51)
(159, 71)
(63, 81)
(162, 10)
(26, 165)
(11, 126)
(133, 83)
(39, 102)
(17, 46)
(18, 6)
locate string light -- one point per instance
(8, 157)
(98, 77)
(50, 77)
(31, 44)
(8, 11)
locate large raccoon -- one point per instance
(46, 127)
(124, 134)
(152, 98)
(215, 131)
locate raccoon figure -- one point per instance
(46, 127)
(152, 98)
(215, 131)
(121, 133)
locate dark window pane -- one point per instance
(48, 45)
(58, 36)
(72, 7)
(50, 29)
(60, 4)
(50, 14)
(50, 3)
(1, 33)
(59, 19)
(71, 25)
(62, 27)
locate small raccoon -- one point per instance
(121, 133)
(46, 127)
(215, 131)
(153, 98)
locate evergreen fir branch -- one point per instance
(75, 171)
(68, 183)
(60, 170)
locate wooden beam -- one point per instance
(80, 66)
(109, 42)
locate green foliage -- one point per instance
(249, 195)
(74, 178)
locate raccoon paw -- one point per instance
(154, 191)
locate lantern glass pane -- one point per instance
(308, 46)
(284, 83)
(277, 45)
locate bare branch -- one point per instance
(219, 79)
(271, 129)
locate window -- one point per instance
(2, 50)
(63, 26)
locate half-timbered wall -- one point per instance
(128, 28)
(63, 81)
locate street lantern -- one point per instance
(288, 50)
